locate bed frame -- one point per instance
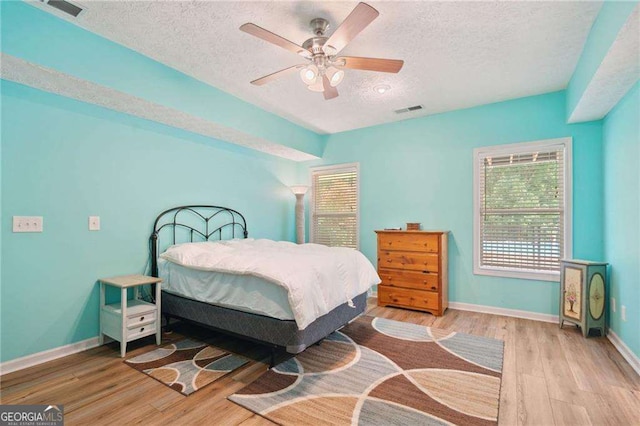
(205, 223)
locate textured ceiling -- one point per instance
(457, 54)
(618, 71)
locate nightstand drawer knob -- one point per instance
(142, 329)
(141, 318)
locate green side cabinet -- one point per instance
(583, 295)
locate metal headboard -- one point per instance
(210, 221)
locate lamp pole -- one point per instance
(299, 191)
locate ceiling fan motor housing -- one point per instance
(319, 26)
(315, 44)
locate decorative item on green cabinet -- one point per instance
(583, 291)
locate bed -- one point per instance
(210, 296)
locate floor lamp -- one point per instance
(299, 191)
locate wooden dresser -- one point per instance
(414, 270)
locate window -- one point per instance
(334, 205)
(522, 209)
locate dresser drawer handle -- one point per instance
(434, 288)
(141, 318)
(142, 329)
(424, 281)
(389, 261)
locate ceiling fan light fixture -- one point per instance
(335, 76)
(309, 74)
(317, 86)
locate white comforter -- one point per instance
(317, 278)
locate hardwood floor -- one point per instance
(550, 377)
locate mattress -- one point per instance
(240, 292)
(316, 278)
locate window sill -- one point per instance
(523, 275)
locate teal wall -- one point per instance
(42, 38)
(621, 135)
(605, 29)
(66, 160)
(421, 170)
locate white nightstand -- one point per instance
(130, 319)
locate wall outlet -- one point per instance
(27, 223)
(94, 223)
(613, 304)
(623, 313)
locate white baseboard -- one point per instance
(503, 311)
(624, 350)
(48, 355)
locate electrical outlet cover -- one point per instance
(27, 223)
(94, 223)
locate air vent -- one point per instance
(409, 109)
(64, 6)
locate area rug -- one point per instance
(188, 365)
(382, 372)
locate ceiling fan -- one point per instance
(324, 70)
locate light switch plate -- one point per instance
(94, 223)
(27, 223)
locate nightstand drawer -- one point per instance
(408, 298)
(141, 331)
(409, 279)
(408, 260)
(141, 319)
(409, 242)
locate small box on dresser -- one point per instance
(413, 267)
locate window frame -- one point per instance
(516, 148)
(330, 169)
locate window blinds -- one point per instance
(334, 213)
(522, 210)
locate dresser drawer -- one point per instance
(409, 242)
(408, 260)
(408, 298)
(141, 319)
(409, 279)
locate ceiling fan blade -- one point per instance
(267, 35)
(330, 92)
(372, 64)
(358, 19)
(273, 76)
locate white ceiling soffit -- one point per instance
(457, 54)
(619, 70)
(49, 80)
